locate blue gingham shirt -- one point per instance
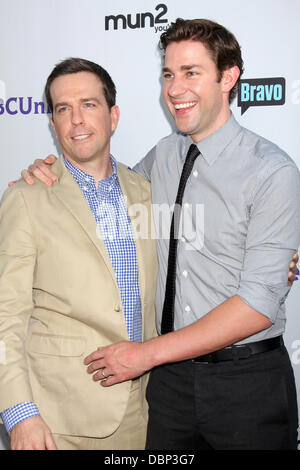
(109, 209)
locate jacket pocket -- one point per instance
(56, 345)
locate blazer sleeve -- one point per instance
(17, 262)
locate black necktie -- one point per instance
(168, 308)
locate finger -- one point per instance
(50, 444)
(27, 177)
(95, 355)
(11, 183)
(102, 374)
(296, 257)
(291, 280)
(50, 159)
(40, 175)
(39, 165)
(292, 266)
(38, 446)
(96, 365)
(37, 162)
(293, 272)
(35, 443)
(112, 380)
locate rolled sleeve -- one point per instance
(273, 237)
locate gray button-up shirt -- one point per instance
(241, 223)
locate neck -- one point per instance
(222, 119)
(98, 169)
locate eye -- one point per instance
(89, 105)
(62, 109)
(191, 73)
(167, 75)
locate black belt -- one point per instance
(241, 351)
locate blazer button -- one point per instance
(117, 308)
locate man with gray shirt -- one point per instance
(221, 377)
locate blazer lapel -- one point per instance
(69, 193)
(138, 205)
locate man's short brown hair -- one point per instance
(75, 65)
(222, 45)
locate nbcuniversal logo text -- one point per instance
(139, 20)
(22, 105)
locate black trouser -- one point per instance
(245, 404)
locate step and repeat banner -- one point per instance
(123, 37)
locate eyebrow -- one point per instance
(82, 100)
(183, 67)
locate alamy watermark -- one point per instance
(153, 223)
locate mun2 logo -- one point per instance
(261, 92)
(141, 20)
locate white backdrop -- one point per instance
(36, 34)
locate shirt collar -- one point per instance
(212, 147)
(84, 179)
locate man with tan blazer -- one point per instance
(60, 294)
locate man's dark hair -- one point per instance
(223, 47)
(75, 65)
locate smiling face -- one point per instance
(195, 95)
(81, 117)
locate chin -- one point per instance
(84, 156)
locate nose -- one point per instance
(175, 87)
(77, 116)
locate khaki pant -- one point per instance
(130, 435)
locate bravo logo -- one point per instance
(261, 92)
(140, 20)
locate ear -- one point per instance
(53, 125)
(229, 78)
(115, 115)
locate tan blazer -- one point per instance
(59, 301)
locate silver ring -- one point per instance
(103, 375)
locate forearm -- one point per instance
(227, 324)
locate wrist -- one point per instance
(17, 414)
(153, 352)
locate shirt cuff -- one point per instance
(262, 298)
(18, 413)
